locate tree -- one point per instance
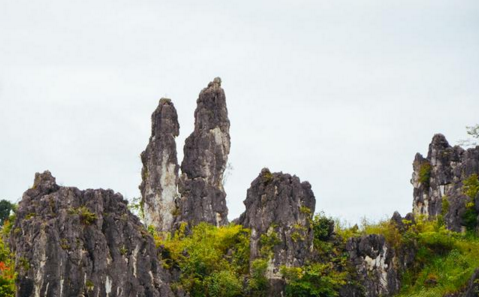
(5, 208)
(473, 132)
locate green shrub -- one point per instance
(444, 205)
(7, 263)
(444, 261)
(425, 174)
(268, 241)
(323, 227)
(214, 261)
(224, 283)
(471, 186)
(316, 279)
(86, 216)
(258, 283)
(469, 218)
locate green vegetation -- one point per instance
(89, 285)
(136, 206)
(5, 208)
(123, 250)
(316, 279)
(7, 262)
(268, 241)
(473, 132)
(425, 174)
(86, 216)
(214, 261)
(325, 276)
(445, 205)
(444, 261)
(258, 283)
(470, 188)
(267, 176)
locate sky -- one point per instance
(342, 94)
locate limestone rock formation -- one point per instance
(203, 198)
(438, 181)
(279, 208)
(472, 289)
(69, 242)
(373, 260)
(160, 168)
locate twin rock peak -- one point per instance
(197, 194)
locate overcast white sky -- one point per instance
(340, 93)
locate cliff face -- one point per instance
(373, 259)
(203, 198)
(160, 168)
(69, 242)
(438, 181)
(279, 209)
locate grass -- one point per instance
(444, 260)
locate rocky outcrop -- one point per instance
(438, 181)
(160, 168)
(373, 260)
(69, 242)
(473, 285)
(203, 198)
(279, 209)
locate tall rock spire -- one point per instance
(203, 198)
(160, 168)
(440, 182)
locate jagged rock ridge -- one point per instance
(203, 198)
(69, 242)
(160, 168)
(438, 181)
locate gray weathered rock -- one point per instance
(159, 186)
(440, 176)
(279, 208)
(472, 289)
(373, 260)
(69, 242)
(203, 198)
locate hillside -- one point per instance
(179, 241)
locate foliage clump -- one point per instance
(425, 174)
(7, 262)
(444, 260)
(6, 207)
(214, 261)
(315, 279)
(328, 271)
(470, 188)
(86, 216)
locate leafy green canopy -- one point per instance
(214, 261)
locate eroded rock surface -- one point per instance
(160, 168)
(373, 260)
(279, 208)
(438, 181)
(69, 242)
(203, 198)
